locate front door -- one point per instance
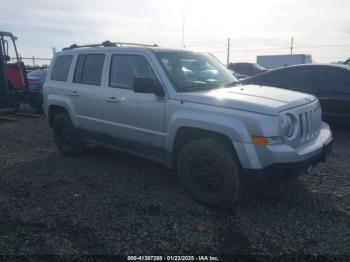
(334, 91)
(134, 120)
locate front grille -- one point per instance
(310, 123)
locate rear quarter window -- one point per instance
(61, 68)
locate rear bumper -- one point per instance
(281, 171)
(33, 98)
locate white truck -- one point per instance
(276, 61)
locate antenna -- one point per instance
(228, 51)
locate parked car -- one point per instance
(330, 83)
(186, 110)
(33, 95)
(247, 69)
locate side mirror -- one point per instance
(148, 86)
(7, 58)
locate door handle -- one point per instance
(112, 99)
(74, 93)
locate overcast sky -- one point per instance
(321, 28)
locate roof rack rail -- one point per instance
(108, 44)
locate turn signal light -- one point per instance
(263, 141)
(260, 140)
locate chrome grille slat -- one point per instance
(310, 123)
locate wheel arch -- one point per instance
(186, 134)
(58, 103)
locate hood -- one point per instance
(253, 98)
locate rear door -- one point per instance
(334, 91)
(86, 90)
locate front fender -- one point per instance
(234, 129)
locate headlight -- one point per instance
(287, 125)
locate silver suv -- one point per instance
(185, 110)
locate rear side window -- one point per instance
(278, 78)
(89, 69)
(303, 78)
(269, 79)
(61, 67)
(125, 68)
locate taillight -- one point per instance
(33, 81)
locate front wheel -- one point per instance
(67, 137)
(208, 171)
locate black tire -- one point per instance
(209, 173)
(39, 109)
(66, 136)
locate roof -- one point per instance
(127, 47)
(341, 66)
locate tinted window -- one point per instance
(89, 69)
(275, 78)
(296, 78)
(125, 68)
(334, 77)
(304, 78)
(79, 69)
(61, 67)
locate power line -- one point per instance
(282, 48)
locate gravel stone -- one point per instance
(107, 202)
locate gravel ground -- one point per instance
(110, 203)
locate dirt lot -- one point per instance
(110, 203)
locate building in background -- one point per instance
(276, 61)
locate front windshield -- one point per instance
(190, 71)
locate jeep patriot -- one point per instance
(186, 110)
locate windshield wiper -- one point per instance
(200, 87)
(234, 83)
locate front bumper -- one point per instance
(281, 171)
(282, 161)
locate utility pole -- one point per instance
(228, 52)
(53, 51)
(291, 46)
(183, 31)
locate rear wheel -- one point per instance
(209, 173)
(67, 137)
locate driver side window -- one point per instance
(125, 68)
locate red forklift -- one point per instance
(13, 76)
